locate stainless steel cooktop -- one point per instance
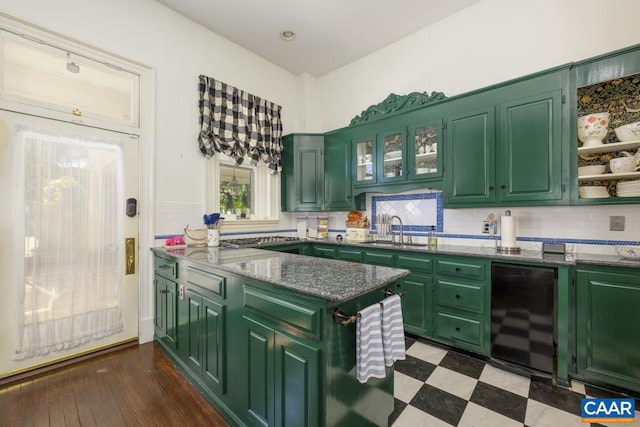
(252, 242)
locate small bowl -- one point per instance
(591, 170)
(630, 132)
(632, 252)
(624, 164)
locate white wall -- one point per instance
(490, 42)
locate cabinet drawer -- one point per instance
(471, 270)
(415, 263)
(459, 328)
(350, 254)
(324, 252)
(295, 313)
(165, 267)
(207, 280)
(385, 259)
(460, 296)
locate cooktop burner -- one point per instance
(251, 242)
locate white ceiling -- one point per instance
(329, 33)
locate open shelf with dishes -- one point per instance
(608, 128)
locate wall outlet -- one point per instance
(489, 227)
(616, 223)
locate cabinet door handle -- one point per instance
(457, 296)
(491, 188)
(164, 291)
(457, 328)
(503, 187)
(457, 268)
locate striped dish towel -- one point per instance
(369, 352)
(392, 330)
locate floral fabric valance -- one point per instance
(239, 124)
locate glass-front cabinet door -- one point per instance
(392, 156)
(422, 151)
(365, 160)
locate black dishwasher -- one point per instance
(523, 313)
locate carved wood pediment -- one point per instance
(395, 104)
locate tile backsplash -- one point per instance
(581, 228)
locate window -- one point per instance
(236, 184)
(51, 81)
(249, 203)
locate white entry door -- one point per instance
(70, 282)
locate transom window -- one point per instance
(48, 80)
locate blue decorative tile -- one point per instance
(413, 209)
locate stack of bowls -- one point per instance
(628, 188)
(591, 170)
(593, 192)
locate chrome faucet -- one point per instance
(393, 236)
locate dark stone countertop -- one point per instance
(332, 280)
(532, 256)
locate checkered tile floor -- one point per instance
(436, 387)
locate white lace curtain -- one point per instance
(72, 193)
(239, 124)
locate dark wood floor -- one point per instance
(135, 386)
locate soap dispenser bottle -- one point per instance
(432, 239)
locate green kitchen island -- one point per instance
(255, 332)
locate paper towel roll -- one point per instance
(508, 231)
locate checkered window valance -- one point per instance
(239, 124)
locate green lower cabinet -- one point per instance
(379, 257)
(165, 311)
(462, 303)
(296, 248)
(284, 378)
(416, 304)
(350, 254)
(461, 331)
(202, 325)
(608, 342)
(324, 251)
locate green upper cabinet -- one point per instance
(391, 155)
(423, 160)
(530, 152)
(337, 175)
(364, 157)
(470, 147)
(504, 146)
(402, 154)
(302, 180)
